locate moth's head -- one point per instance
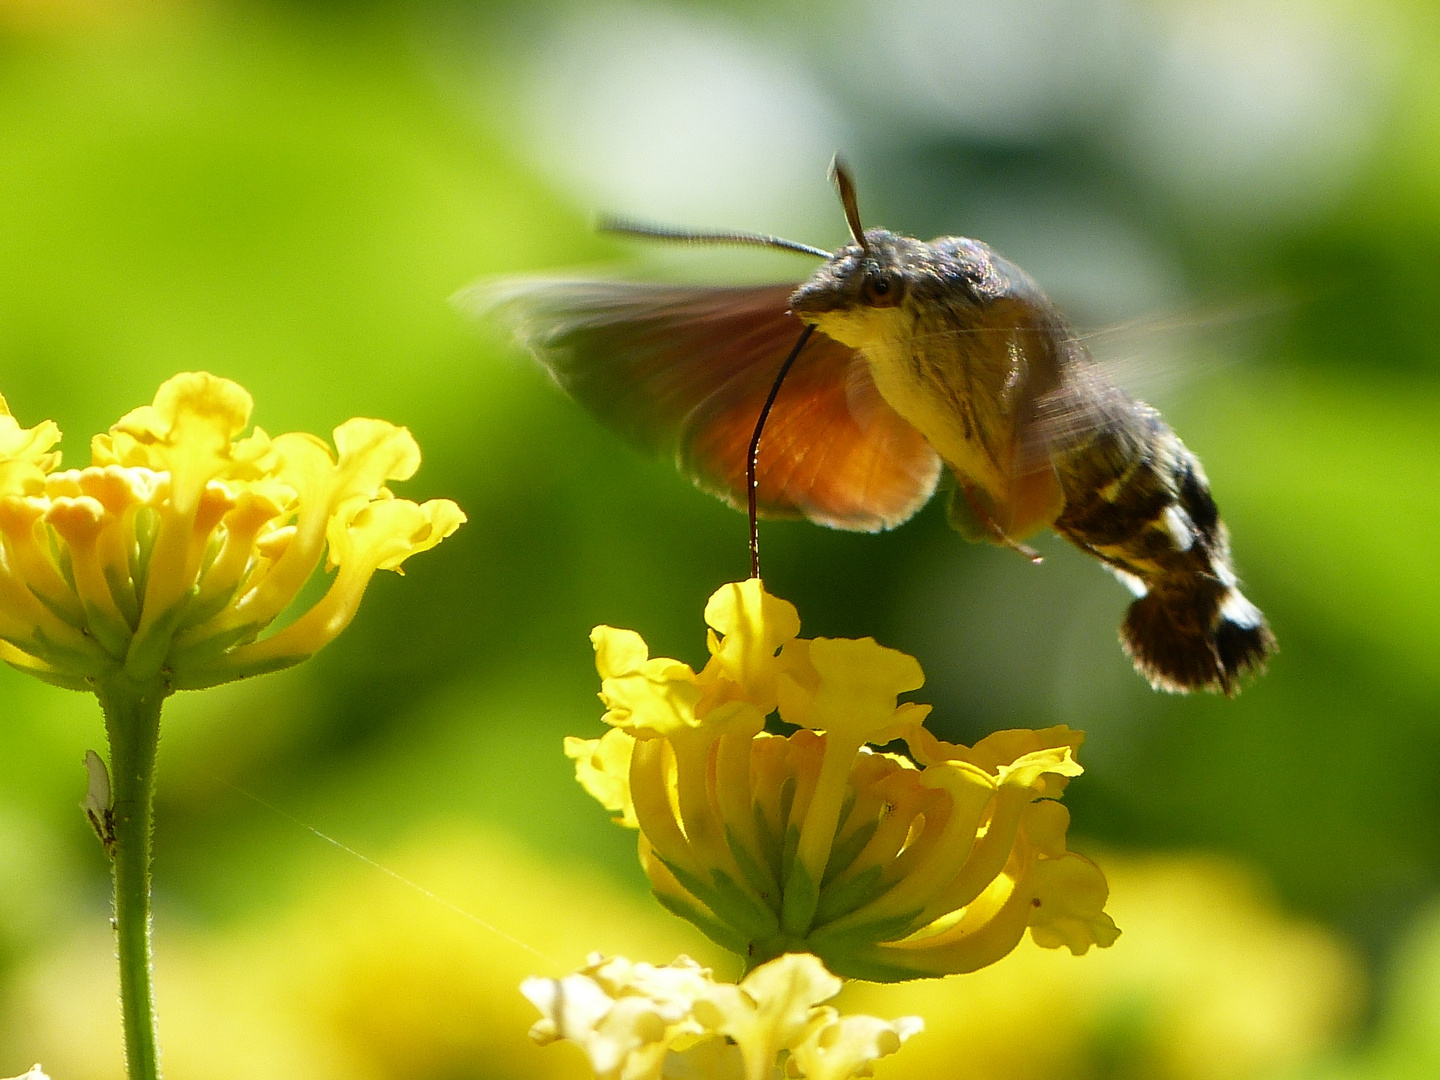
(885, 287)
(892, 281)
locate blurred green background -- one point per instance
(287, 194)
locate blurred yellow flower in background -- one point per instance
(181, 543)
(1211, 982)
(884, 868)
(362, 979)
(642, 1022)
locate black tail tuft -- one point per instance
(1184, 639)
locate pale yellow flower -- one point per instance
(170, 555)
(887, 867)
(642, 1022)
(1213, 980)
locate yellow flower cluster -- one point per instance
(887, 867)
(641, 1022)
(168, 556)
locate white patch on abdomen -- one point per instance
(1240, 611)
(1177, 524)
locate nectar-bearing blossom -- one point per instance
(636, 1021)
(159, 568)
(183, 540)
(885, 866)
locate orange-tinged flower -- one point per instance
(885, 866)
(169, 556)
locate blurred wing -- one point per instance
(1098, 377)
(685, 371)
(1067, 416)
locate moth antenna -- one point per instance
(840, 174)
(690, 236)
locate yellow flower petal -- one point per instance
(602, 767)
(79, 523)
(186, 432)
(770, 1010)
(1069, 905)
(618, 652)
(183, 541)
(645, 697)
(1045, 757)
(845, 1046)
(624, 1016)
(331, 496)
(750, 628)
(25, 455)
(385, 533)
(858, 683)
(373, 451)
(381, 536)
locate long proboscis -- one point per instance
(752, 455)
(694, 236)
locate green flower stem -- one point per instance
(132, 722)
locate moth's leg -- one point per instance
(971, 515)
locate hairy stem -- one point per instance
(132, 722)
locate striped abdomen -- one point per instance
(1137, 499)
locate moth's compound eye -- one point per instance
(882, 288)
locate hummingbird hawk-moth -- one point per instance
(896, 360)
